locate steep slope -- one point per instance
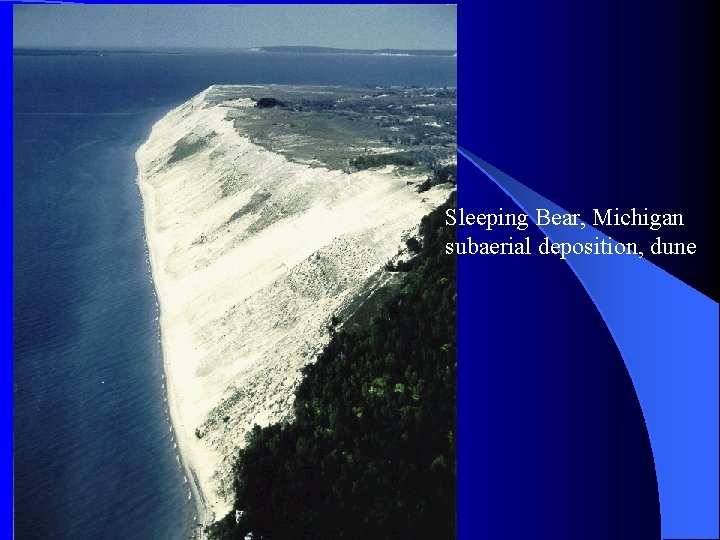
(251, 253)
(370, 452)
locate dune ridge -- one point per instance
(251, 254)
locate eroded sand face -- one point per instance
(251, 255)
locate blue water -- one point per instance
(93, 454)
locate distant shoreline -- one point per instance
(282, 49)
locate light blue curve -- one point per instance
(667, 333)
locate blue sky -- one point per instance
(232, 26)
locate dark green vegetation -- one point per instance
(231, 183)
(189, 145)
(371, 452)
(380, 160)
(254, 204)
(268, 103)
(349, 129)
(441, 174)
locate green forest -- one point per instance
(370, 453)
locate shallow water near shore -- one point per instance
(94, 450)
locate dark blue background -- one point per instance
(599, 105)
(552, 442)
(593, 106)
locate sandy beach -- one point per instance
(251, 254)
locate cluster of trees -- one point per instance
(371, 452)
(442, 174)
(380, 160)
(268, 103)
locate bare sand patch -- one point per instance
(251, 255)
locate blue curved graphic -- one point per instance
(667, 334)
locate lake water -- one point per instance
(94, 455)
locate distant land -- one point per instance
(268, 49)
(333, 50)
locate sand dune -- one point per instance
(251, 255)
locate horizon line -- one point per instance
(191, 47)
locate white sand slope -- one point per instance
(251, 254)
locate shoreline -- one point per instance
(250, 255)
(204, 513)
